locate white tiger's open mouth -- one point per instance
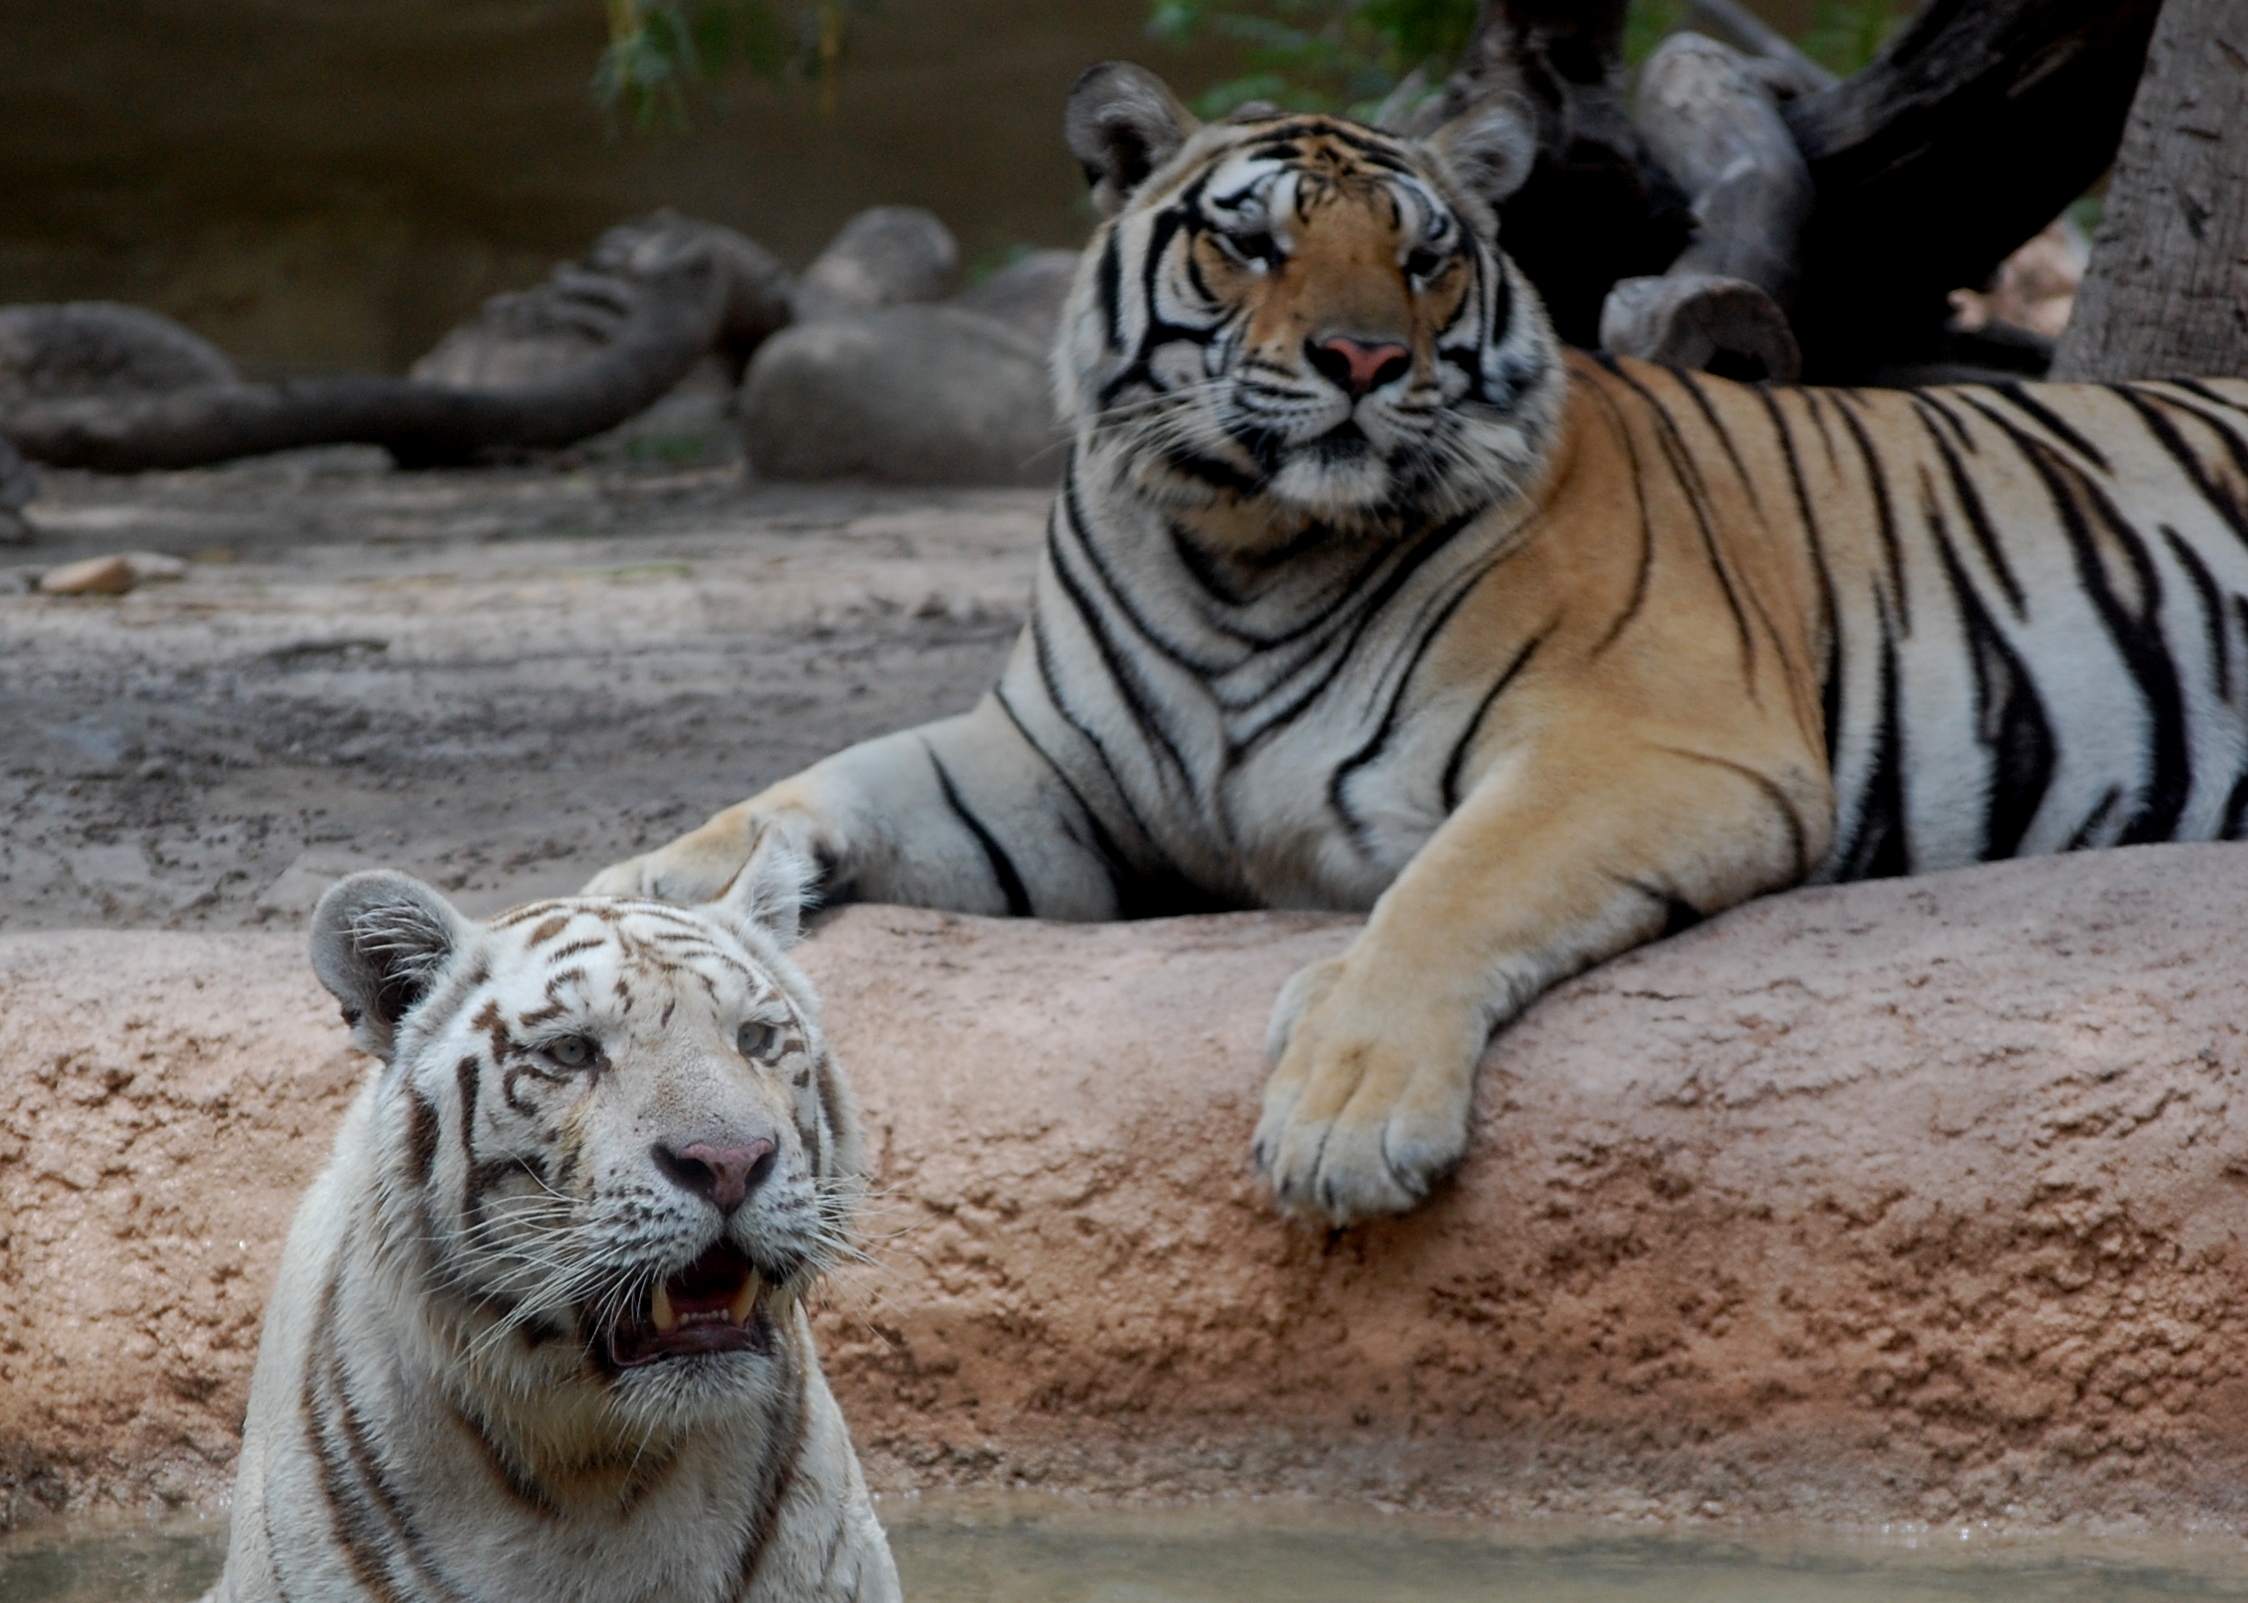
(714, 1305)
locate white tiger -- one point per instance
(539, 1330)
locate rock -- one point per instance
(1026, 295)
(19, 484)
(100, 348)
(110, 576)
(885, 256)
(1916, 1200)
(530, 336)
(94, 576)
(905, 395)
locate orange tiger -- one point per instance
(1361, 594)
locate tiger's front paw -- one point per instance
(1368, 1106)
(700, 865)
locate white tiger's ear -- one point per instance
(1491, 146)
(770, 891)
(379, 941)
(1122, 123)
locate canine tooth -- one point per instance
(745, 1300)
(666, 1318)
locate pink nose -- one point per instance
(726, 1175)
(1356, 366)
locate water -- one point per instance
(1013, 1550)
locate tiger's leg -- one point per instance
(962, 814)
(1549, 867)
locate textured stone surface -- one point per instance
(1912, 1200)
(903, 395)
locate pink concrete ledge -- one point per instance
(1913, 1200)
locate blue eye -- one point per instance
(755, 1040)
(573, 1052)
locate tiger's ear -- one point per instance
(770, 892)
(1491, 146)
(1122, 123)
(379, 941)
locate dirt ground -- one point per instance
(498, 679)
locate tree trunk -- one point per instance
(2166, 294)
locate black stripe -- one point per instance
(1425, 635)
(1070, 515)
(1691, 383)
(1110, 282)
(1002, 866)
(1042, 654)
(2138, 640)
(1689, 475)
(1103, 845)
(2054, 424)
(2236, 809)
(2009, 716)
(1830, 617)
(2189, 460)
(1877, 847)
(1885, 518)
(2216, 624)
(1122, 675)
(1450, 790)
(365, 1507)
(1971, 504)
(2095, 821)
(1643, 575)
(1238, 745)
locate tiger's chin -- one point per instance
(1337, 477)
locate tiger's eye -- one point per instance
(1251, 250)
(1425, 264)
(573, 1052)
(755, 1040)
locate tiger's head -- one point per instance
(611, 1148)
(1303, 310)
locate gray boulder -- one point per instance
(903, 395)
(48, 352)
(18, 484)
(885, 256)
(1027, 295)
(534, 336)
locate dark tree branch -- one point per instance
(1970, 132)
(1595, 208)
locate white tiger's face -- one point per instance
(1303, 309)
(614, 1141)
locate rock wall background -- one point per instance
(338, 182)
(1920, 1199)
